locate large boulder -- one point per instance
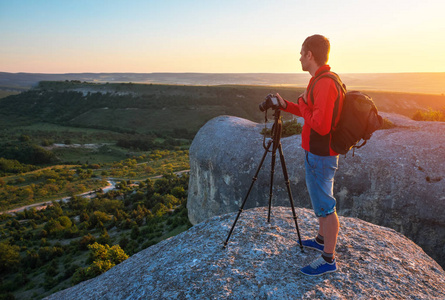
(262, 261)
(397, 180)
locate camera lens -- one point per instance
(263, 106)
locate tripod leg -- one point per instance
(247, 195)
(272, 172)
(286, 178)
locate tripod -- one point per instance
(275, 141)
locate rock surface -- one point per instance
(262, 261)
(397, 180)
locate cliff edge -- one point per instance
(397, 180)
(262, 261)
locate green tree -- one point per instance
(86, 240)
(99, 217)
(49, 253)
(32, 259)
(134, 232)
(65, 221)
(104, 258)
(24, 138)
(53, 227)
(170, 201)
(153, 200)
(162, 186)
(150, 188)
(104, 238)
(9, 257)
(159, 210)
(179, 192)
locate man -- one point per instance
(319, 105)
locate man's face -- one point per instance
(304, 59)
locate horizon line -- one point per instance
(284, 73)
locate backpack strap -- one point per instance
(341, 87)
(331, 75)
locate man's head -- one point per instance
(315, 50)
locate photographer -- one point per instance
(317, 106)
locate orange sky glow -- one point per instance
(242, 36)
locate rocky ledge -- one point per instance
(262, 261)
(397, 180)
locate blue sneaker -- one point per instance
(319, 267)
(312, 244)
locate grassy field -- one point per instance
(4, 94)
(97, 154)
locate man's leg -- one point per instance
(320, 173)
(320, 226)
(329, 227)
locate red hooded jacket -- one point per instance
(318, 113)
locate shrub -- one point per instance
(387, 124)
(430, 115)
(289, 128)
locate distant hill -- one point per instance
(140, 108)
(425, 83)
(145, 108)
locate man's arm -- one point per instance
(288, 106)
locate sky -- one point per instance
(209, 36)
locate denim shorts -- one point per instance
(320, 171)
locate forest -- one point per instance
(69, 180)
(46, 250)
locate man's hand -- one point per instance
(303, 96)
(283, 103)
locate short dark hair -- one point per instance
(319, 46)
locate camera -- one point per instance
(270, 102)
